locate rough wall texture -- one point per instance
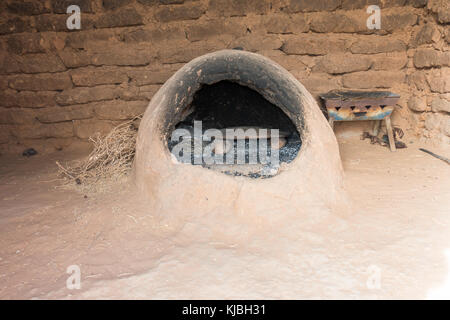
(58, 86)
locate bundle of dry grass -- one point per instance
(110, 160)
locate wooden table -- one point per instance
(362, 105)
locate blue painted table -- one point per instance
(362, 105)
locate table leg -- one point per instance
(331, 122)
(376, 127)
(390, 133)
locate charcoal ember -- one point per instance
(29, 152)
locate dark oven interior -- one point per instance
(228, 104)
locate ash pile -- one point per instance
(238, 151)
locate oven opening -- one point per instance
(233, 129)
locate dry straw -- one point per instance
(110, 160)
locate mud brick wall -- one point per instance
(59, 86)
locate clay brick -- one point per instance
(359, 4)
(114, 4)
(148, 91)
(3, 82)
(27, 8)
(233, 8)
(16, 116)
(398, 21)
(98, 76)
(5, 135)
(182, 54)
(417, 3)
(58, 114)
(145, 77)
(25, 43)
(81, 95)
(155, 35)
(58, 23)
(440, 105)
(375, 44)
(425, 58)
(310, 6)
(120, 110)
(373, 79)
(171, 1)
(9, 63)
(438, 122)
(41, 63)
(339, 22)
(313, 45)
(41, 82)
(123, 56)
(148, 2)
(344, 63)
(418, 104)
(435, 5)
(50, 22)
(427, 34)
(90, 39)
(73, 59)
(444, 14)
(389, 61)
(27, 99)
(213, 29)
(418, 80)
(179, 12)
(258, 43)
(122, 18)
(362, 4)
(290, 62)
(432, 121)
(285, 24)
(439, 80)
(44, 131)
(117, 56)
(60, 6)
(53, 41)
(130, 93)
(445, 127)
(318, 83)
(84, 129)
(15, 25)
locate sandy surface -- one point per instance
(397, 235)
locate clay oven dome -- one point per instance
(261, 88)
